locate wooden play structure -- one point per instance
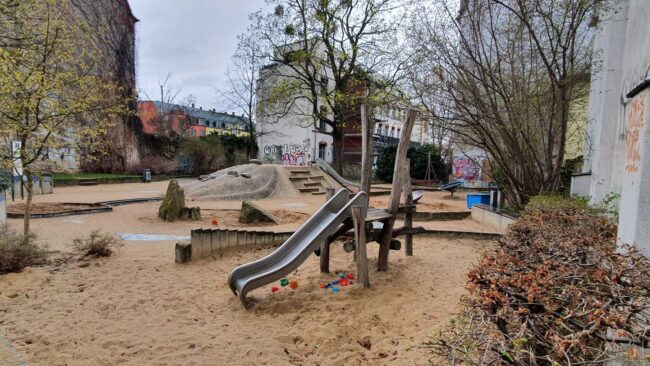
(364, 217)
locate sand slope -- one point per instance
(139, 308)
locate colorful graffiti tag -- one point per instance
(290, 154)
(473, 168)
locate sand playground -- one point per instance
(138, 307)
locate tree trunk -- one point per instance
(28, 204)
(337, 150)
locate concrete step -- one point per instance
(311, 184)
(318, 193)
(298, 178)
(299, 172)
(316, 177)
(308, 189)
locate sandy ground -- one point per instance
(139, 308)
(432, 201)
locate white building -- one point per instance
(617, 152)
(288, 130)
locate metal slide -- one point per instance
(297, 248)
(331, 171)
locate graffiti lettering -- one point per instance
(635, 123)
(290, 154)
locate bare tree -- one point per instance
(330, 57)
(512, 69)
(240, 89)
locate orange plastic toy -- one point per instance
(293, 284)
(214, 221)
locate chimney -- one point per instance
(193, 105)
(201, 108)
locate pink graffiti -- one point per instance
(466, 169)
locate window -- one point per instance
(223, 125)
(322, 126)
(321, 150)
(379, 129)
(323, 83)
(214, 124)
(392, 132)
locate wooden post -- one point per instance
(367, 147)
(359, 219)
(396, 189)
(325, 246)
(408, 201)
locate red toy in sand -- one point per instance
(275, 289)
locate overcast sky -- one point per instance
(192, 39)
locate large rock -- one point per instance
(251, 213)
(173, 206)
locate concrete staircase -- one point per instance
(306, 181)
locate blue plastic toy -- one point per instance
(335, 289)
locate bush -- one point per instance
(554, 201)
(18, 252)
(555, 291)
(159, 164)
(97, 244)
(419, 159)
(214, 152)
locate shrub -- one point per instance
(159, 164)
(555, 201)
(419, 159)
(18, 252)
(97, 244)
(556, 291)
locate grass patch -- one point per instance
(97, 244)
(71, 176)
(18, 251)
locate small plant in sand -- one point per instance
(97, 244)
(18, 251)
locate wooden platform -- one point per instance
(377, 214)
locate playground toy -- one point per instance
(284, 282)
(293, 284)
(214, 221)
(451, 187)
(335, 289)
(275, 289)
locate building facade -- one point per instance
(189, 120)
(617, 148)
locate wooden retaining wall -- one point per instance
(208, 242)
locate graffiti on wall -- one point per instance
(635, 123)
(290, 154)
(473, 168)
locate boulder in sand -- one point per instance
(173, 206)
(251, 213)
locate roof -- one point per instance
(207, 114)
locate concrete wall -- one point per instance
(618, 146)
(580, 185)
(491, 219)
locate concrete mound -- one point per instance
(254, 182)
(241, 182)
